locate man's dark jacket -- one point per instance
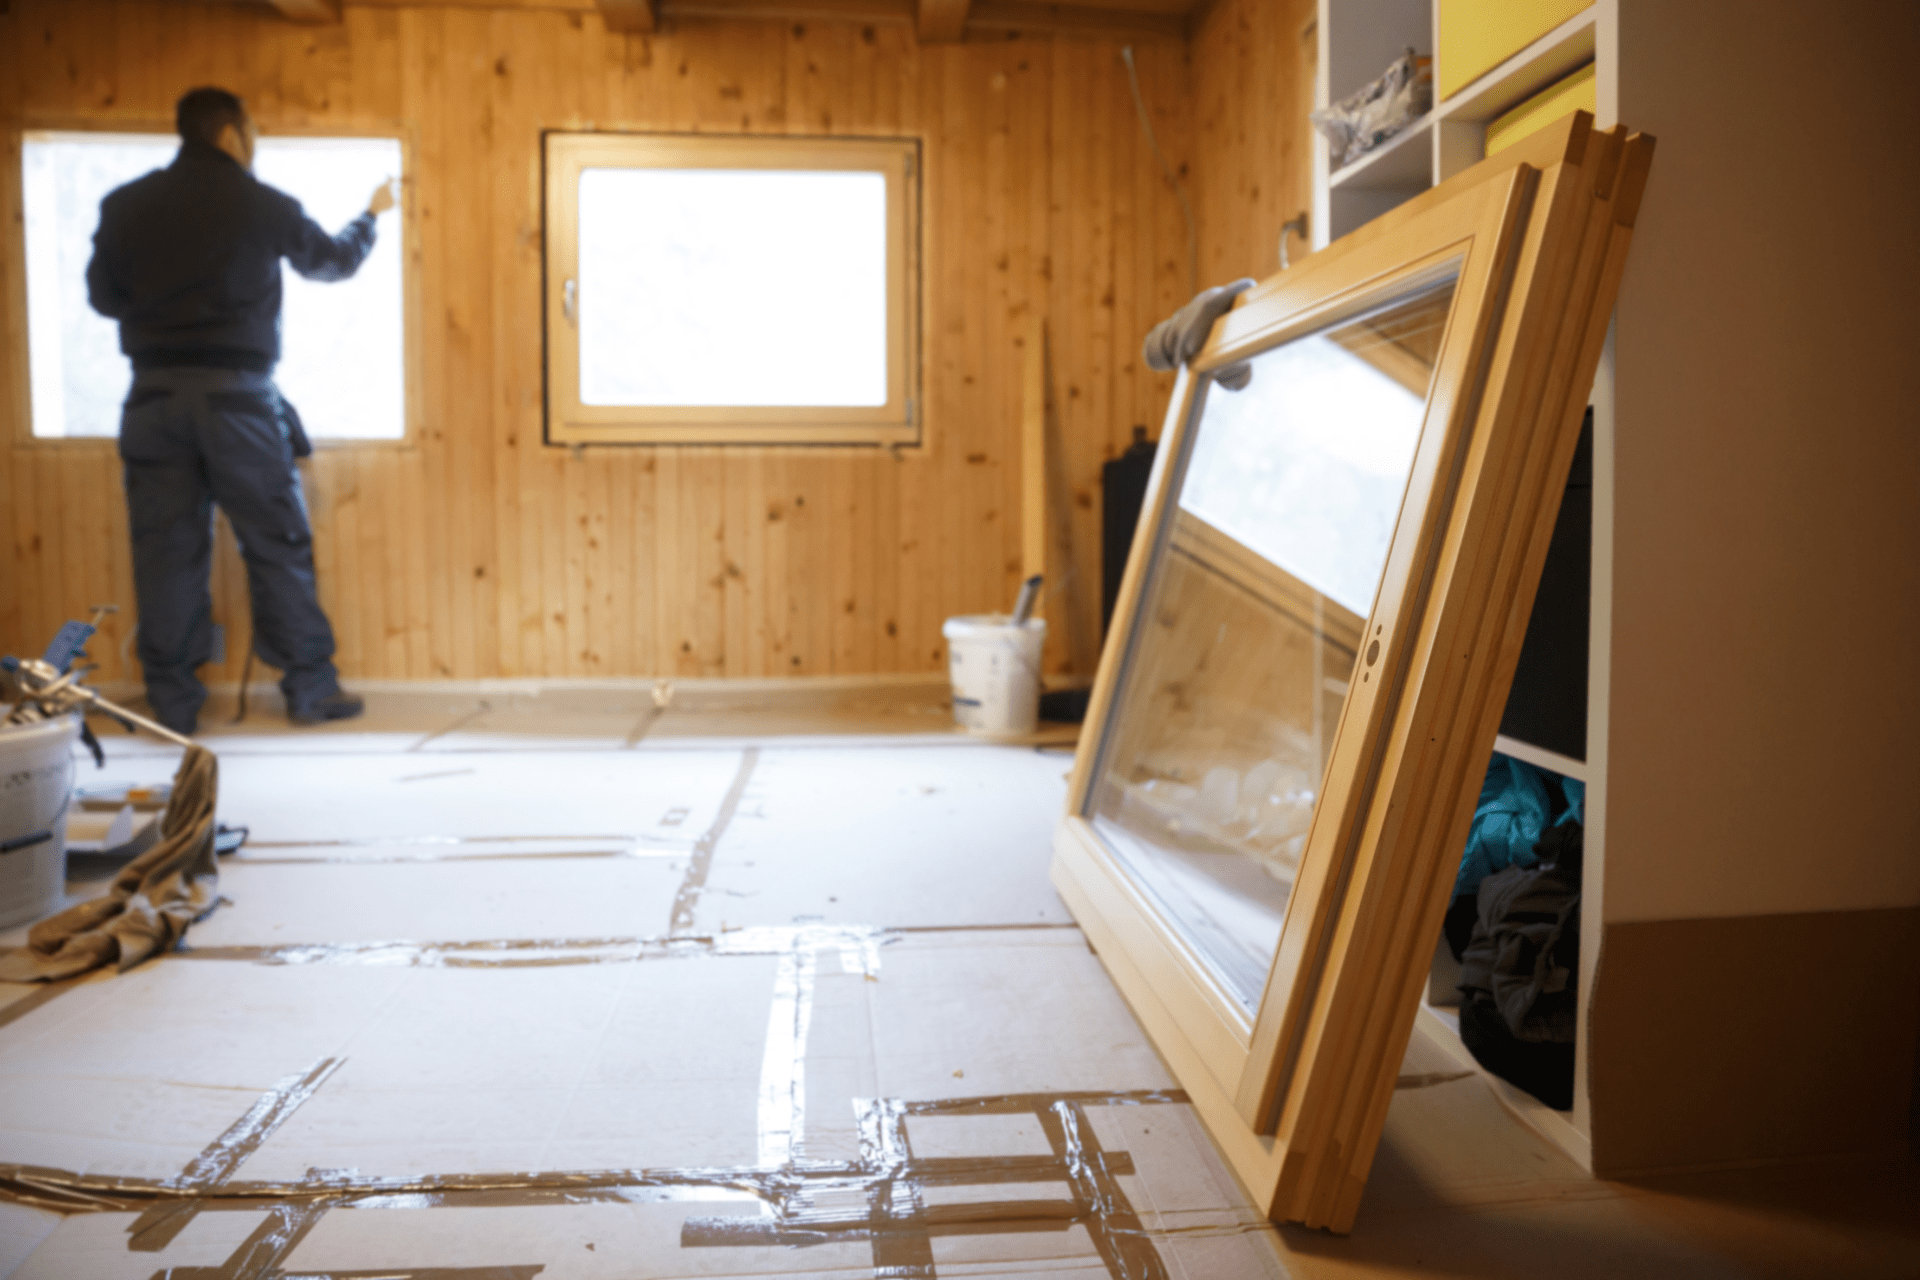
(187, 259)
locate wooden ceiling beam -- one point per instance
(982, 16)
(307, 10)
(792, 10)
(1196, 16)
(630, 16)
(935, 21)
(942, 21)
(1073, 19)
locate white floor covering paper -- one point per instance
(788, 991)
(482, 947)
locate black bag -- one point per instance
(1519, 978)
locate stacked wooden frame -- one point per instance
(1296, 1093)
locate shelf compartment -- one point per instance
(1472, 37)
(1552, 761)
(1441, 1027)
(1547, 60)
(1403, 162)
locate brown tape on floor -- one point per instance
(783, 1067)
(897, 1223)
(878, 1198)
(701, 860)
(382, 841)
(230, 1150)
(503, 953)
(379, 860)
(153, 1230)
(900, 1227)
(42, 993)
(458, 724)
(859, 947)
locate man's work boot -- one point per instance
(338, 705)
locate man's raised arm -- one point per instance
(319, 256)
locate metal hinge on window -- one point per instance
(909, 413)
(909, 164)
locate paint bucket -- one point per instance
(995, 668)
(36, 783)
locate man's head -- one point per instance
(219, 119)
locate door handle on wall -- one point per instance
(570, 300)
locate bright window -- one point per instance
(730, 290)
(342, 344)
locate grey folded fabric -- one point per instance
(1181, 337)
(152, 901)
(1525, 947)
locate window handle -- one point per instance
(570, 300)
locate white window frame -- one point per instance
(570, 421)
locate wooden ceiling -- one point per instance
(936, 21)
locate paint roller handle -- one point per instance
(1029, 596)
(57, 693)
(125, 716)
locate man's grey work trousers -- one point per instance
(191, 438)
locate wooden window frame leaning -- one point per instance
(1296, 1096)
(570, 422)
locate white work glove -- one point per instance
(1179, 338)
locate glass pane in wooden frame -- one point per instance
(581, 410)
(78, 376)
(1282, 512)
(1293, 1086)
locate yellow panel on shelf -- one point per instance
(1577, 92)
(1477, 35)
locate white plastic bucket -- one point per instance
(995, 668)
(36, 784)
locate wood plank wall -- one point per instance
(1252, 76)
(476, 551)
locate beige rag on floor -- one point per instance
(152, 901)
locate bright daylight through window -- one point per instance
(729, 290)
(342, 344)
(708, 241)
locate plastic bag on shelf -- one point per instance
(1362, 121)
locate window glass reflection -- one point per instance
(1241, 652)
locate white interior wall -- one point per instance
(1766, 543)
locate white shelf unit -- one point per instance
(1401, 163)
(1450, 137)
(1540, 757)
(1358, 39)
(1461, 134)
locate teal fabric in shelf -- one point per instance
(1514, 809)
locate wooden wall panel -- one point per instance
(477, 551)
(1253, 69)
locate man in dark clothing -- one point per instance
(187, 259)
